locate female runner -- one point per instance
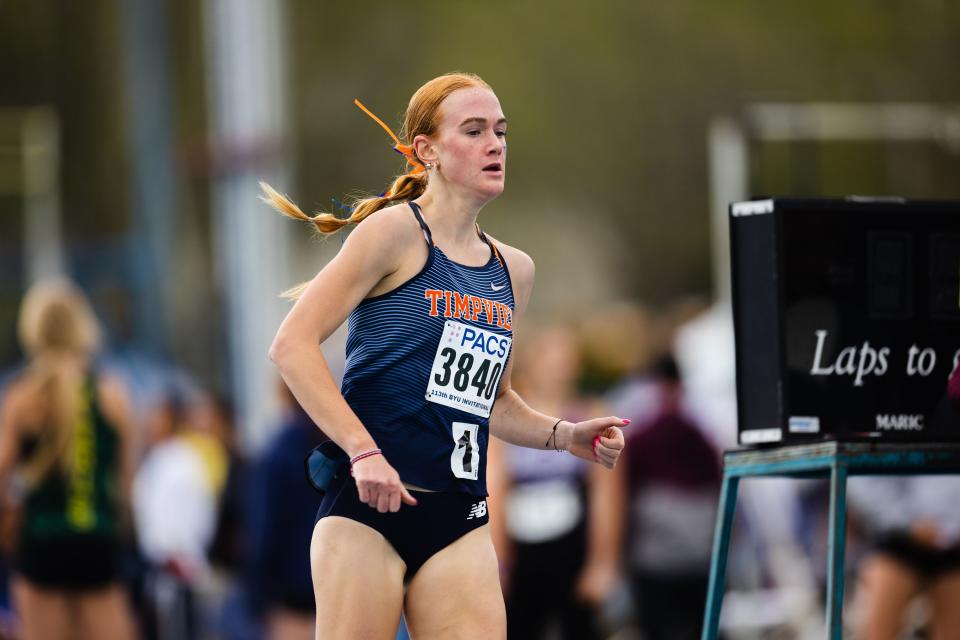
(65, 426)
(432, 303)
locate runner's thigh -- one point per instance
(886, 588)
(357, 581)
(456, 594)
(945, 597)
(44, 614)
(104, 613)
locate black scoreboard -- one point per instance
(847, 318)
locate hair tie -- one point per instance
(403, 149)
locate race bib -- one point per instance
(465, 459)
(467, 368)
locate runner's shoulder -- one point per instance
(390, 226)
(521, 265)
(23, 400)
(386, 234)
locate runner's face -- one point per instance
(472, 141)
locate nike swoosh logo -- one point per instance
(495, 287)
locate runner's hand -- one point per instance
(600, 440)
(379, 486)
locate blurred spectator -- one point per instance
(283, 509)
(220, 598)
(915, 526)
(914, 523)
(176, 492)
(228, 549)
(672, 477)
(555, 519)
(64, 427)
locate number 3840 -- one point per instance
(467, 371)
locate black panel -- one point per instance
(847, 318)
(889, 265)
(945, 276)
(756, 314)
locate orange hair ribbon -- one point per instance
(403, 149)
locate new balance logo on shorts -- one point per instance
(478, 510)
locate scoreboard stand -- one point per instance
(837, 460)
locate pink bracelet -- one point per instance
(366, 454)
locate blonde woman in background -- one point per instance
(64, 431)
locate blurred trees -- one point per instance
(608, 102)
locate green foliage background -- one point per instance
(609, 105)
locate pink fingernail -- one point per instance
(625, 422)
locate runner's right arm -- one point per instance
(371, 253)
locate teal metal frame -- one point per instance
(838, 460)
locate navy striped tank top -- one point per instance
(424, 363)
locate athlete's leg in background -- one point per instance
(104, 613)
(887, 587)
(945, 600)
(43, 613)
(290, 625)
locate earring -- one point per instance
(428, 165)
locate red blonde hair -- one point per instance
(422, 117)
